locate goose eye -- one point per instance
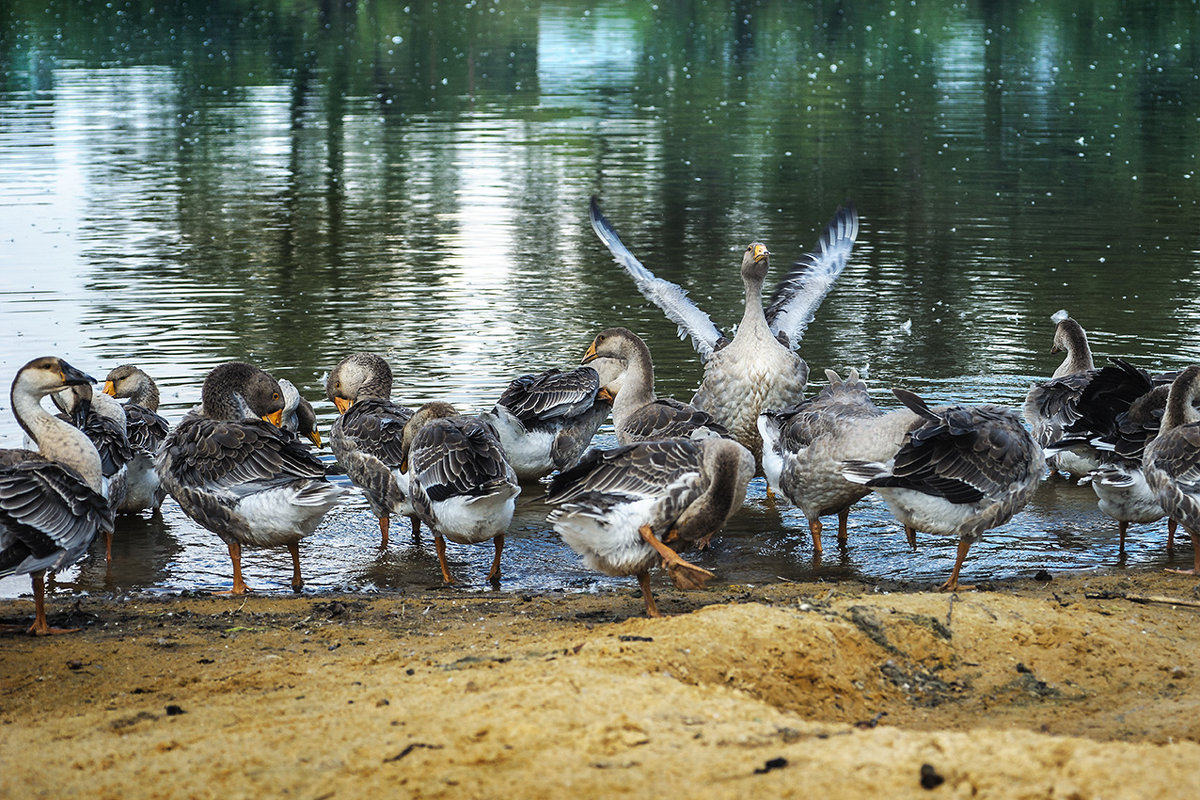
(275, 395)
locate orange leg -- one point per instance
(239, 586)
(952, 585)
(1171, 526)
(647, 595)
(911, 533)
(297, 581)
(815, 528)
(108, 546)
(1122, 528)
(843, 525)
(40, 626)
(494, 573)
(440, 545)
(685, 575)
(384, 521)
(1195, 570)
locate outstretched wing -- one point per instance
(670, 297)
(799, 294)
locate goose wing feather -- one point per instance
(459, 457)
(551, 395)
(799, 294)
(670, 297)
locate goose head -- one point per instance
(1069, 337)
(237, 391)
(358, 376)
(420, 418)
(127, 382)
(611, 353)
(755, 263)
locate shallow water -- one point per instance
(184, 186)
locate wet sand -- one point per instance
(1072, 687)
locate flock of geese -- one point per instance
(239, 464)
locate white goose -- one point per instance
(804, 447)
(546, 421)
(758, 369)
(368, 436)
(1053, 405)
(51, 506)
(460, 482)
(639, 415)
(146, 431)
(961, 471)
(238, 475)
(627, 509)
(1172, 460)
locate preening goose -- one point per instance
(146, 431)
(627, 509)
(804, 447)
(461, 484)
(102, 420)
(1053, 405)
(236, 473)
(961, 471)
(758, 369)
(1172, 460)
(298, 414)
(51, 506)
(638, 414)
(546, 421)
(368, 437)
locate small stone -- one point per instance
(174, 711)
(930, 779)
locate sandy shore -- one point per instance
(1072, 688)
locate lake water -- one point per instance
(184, 184)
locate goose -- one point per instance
(298, 414)
(102, 420)
(1172, 460)
(367, 437)
(146, 431)
(638, 414)
(237, 474)
(545, 421)
(960, 471)
(460, 482)
(51, 506)
(758, 368)
(804, 445)
(1118, 413)
(628, 508)
(1052, 405)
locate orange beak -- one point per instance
(590, 355)
(109, 389)
(760, 252)
(343, 405)
(275, 418)
(315, 435)
(605, 394)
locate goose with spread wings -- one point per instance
(758, 368)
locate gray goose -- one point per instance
(146, 430)
(639, 415)
(758, 369)
(298, 414)
(546, 420)
(367, 437)
(51, 506)
(460, 481)
(804, 447)
(627, 509)
(236, 473)
(1053, 405)
(1172, 460)
(961, 471)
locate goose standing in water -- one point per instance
(627, 509)
(758, 369)
(1172, 460)
(638, 414)
(236, 473)
(460, 482)
(102, 420)
(1053, 405)
(146, 431)
(51, 506)
(804, 447)
(961, 471)
(546, 421)
(298, 414)
(368, 437)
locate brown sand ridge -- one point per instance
(1075, 688)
